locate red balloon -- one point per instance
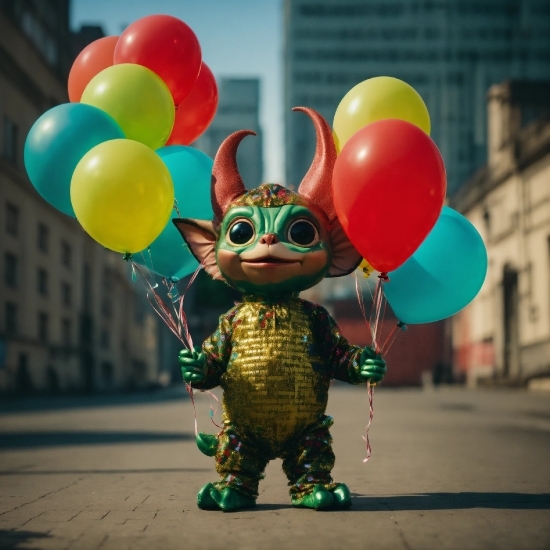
(389, 185)
(165, 45)
(90, 61)
(196, 111)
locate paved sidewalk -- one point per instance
(450, 469)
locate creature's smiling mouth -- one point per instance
(274, 256)
(266, 261)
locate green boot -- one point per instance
(341, 496)
(230, 500)
(318, 499)
(205, 500)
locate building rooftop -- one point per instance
(519, 135)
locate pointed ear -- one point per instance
(201, 237)
(345, 259)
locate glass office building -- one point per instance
(450, 51)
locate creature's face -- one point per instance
(272, 250)
(271, 240)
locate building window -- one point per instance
(107, 287)
(107, 372)
(10, 139)
(42, 282)
(66, 294)
(11, 318)
(66, 254)
(43, 237)
(10, 265)
(107, 307)
(139, 312)
(12, 219)
(66, 332)
(87, 288)
(43, 327)
(487, 220)
(105, 339)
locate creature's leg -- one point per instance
(308, 465)
(241, 466)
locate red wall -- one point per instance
(414, 351)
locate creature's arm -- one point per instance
(203, 368)
(350, 363)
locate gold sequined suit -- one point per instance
(274, 360)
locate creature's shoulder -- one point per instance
(229, 318)
(315, 311)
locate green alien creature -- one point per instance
(274, 354)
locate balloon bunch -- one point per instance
(117, 156)
(389, 187)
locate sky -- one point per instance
(239, 38)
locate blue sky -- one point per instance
(241, 38)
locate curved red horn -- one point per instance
(317, 183)
(227, 184)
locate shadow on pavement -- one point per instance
(453, 501)
(32, 440)
(62, 402)
(26, 472)
(11, 540)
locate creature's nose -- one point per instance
(269, 238)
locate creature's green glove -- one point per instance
(373, 367)
(193, 365)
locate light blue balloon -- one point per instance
(191, 171)
(56, 143)
(443, 275)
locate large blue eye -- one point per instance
(241, 232)
(303, 233)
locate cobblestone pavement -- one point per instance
(450, 469)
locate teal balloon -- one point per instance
(444, 274)
(191, 171)
(56, 143)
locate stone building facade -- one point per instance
(505, 332)
(70, 316)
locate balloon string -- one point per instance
(370, 387)
(190, 392)
(393, 335)
(150, 265)
(179, 311)
(375, 314)
(378, 311)
(183, 326)
(158, 303)
(383, 320)
(370, 392)
(359, 293)
(390, 339)
(212, 410)
(176, 205)
(179, 328)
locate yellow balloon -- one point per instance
(137, 98)
(366, 268)
(376, 99)
(336, 142)
(122, 195)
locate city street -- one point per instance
(450, 469)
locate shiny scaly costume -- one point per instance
(274, 354)
(274, 361)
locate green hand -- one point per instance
(193, 365)
(373, 367)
